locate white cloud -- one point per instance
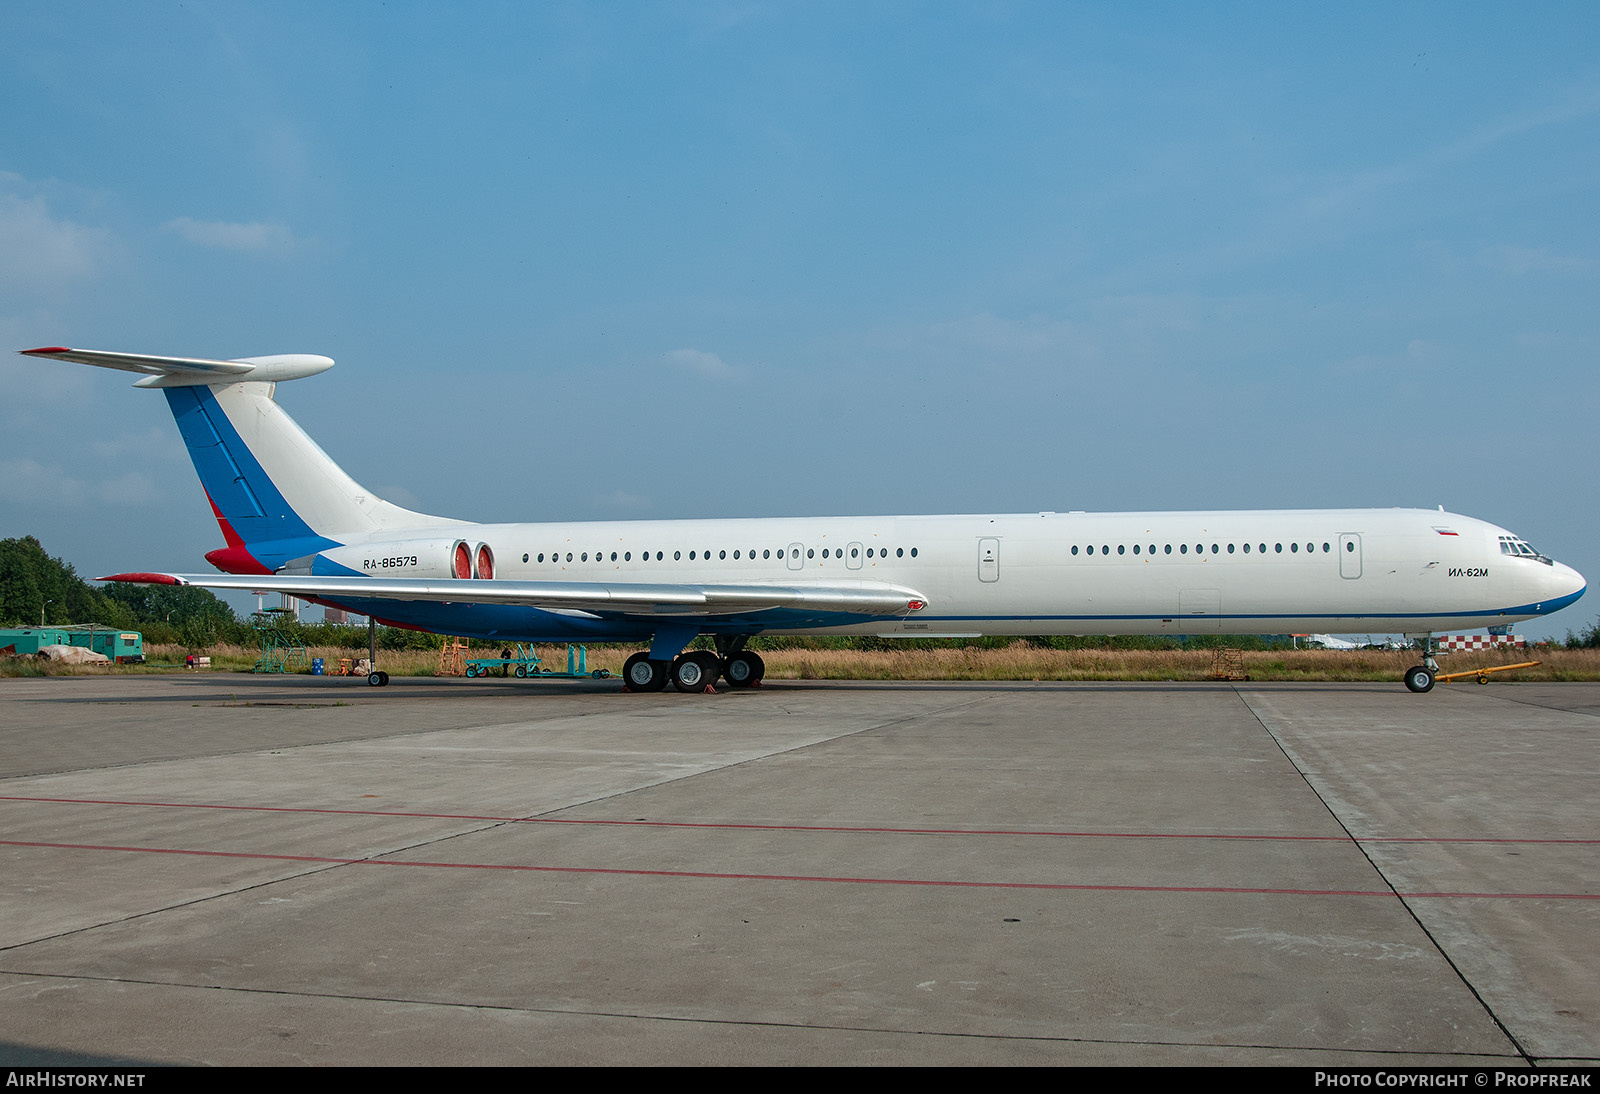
(698, 361)
(620, 501)
(26, 481)
(1519, 261)
(40, 250)
(255, 237)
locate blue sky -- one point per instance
(680, 260)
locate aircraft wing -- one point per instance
(191, 371)
(595, 597)
(142, 362)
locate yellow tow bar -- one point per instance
(1481, 674)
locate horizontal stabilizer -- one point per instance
(867, 599)
(190, 371)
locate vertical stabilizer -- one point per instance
(269, 483)
(275, 492)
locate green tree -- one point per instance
(31, 580)
(1586, 639)
(173, 604)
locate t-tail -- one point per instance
(276, 494)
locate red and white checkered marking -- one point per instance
(1481, 642)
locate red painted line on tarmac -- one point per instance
(844, 880)
(719, 826)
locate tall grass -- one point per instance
(1018, 660)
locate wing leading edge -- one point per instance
(866, 599)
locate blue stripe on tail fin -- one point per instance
(242, 493)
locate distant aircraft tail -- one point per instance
(276, 494)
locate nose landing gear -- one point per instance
(1419, 678)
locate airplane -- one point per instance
(295, 522)
(1329, 642)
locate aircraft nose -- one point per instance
(1566, 584)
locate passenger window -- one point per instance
(1230, 548)
(1183, 548)
(913, 552)
(1122, 549)
(1278, 547)
(1294, 548)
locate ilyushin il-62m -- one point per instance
(294, 522)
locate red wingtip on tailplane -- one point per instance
(143, 579)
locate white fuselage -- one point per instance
(1338, 570)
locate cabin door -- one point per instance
(1350, 555)
(988, 560)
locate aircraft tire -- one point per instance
(642, 674)
(694, 672)
(377, 679)
(1419, 679)
(744, 669)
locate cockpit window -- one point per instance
(1517, 547)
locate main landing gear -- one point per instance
(696, 670)
(1419, 678)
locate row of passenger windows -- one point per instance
(677, 556)
(1217, 548)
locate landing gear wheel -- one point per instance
(1420, 678)
(377, 679)
(744, 669)
(642, 674)
(694, 672)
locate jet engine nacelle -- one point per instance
(424, 558)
